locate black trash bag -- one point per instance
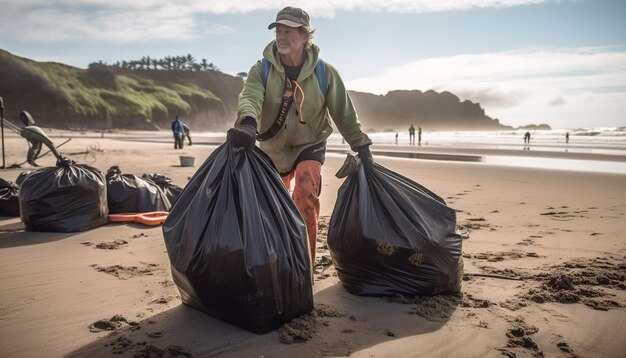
(390, 235)
(9, 198)
(237, 244)
(171, 190)
(20, 178)
(67, 198)
(128, 193)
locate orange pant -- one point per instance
(306, 196)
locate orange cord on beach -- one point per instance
(150, 218)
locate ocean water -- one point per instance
(590, 138)
(604, 148)
(547, 148)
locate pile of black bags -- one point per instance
(237, 243)
(390, 235)
(128, 193)
(67, 198)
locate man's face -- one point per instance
(289, 40)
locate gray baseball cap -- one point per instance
(292, 17)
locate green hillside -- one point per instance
(103, 97)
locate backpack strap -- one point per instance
(265, 70)
(320, 73)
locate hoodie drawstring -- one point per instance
(301, 103)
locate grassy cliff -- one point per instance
(102, 97)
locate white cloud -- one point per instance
(500, 76)
(147, 20)
(565, 83)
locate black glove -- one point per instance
(244, 135)
(365, 155)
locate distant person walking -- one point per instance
(527, 138)
(419, 136)
(35, 137)
(396, 137)
(178, 130)
(411, 135)
(187, 132)
(567, 137)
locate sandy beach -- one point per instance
(544, 260)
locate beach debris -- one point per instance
(518, 336)
(504, 255)
(111, 245)
(112, 324)
(470, 301)
(299, 329)
(125, 272)
(416, 258)
(90, 152)
(324, 310)
(389, 333)
(143, 349)
(438, 308)
(385, 248)
(514, 304)
(163, 300)
(435, 308)
(474, 274)
(323, 261)
(583, 281)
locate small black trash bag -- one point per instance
(9, 198)
(171, 190)
(128, 193)
(67, 198)
(237, 243)
(389, 235)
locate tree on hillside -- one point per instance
(191, 61)
(167, 63)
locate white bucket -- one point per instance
(186, 161)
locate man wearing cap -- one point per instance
(35, 137)
(290, 110)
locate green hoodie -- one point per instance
(262, 104)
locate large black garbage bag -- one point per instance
(128, 193)
(390, 235)
(237, 243)
(9, 199)
(67, 198)
(171, 190)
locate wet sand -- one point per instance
(544, 259)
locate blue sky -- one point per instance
(560, 62)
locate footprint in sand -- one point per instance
(518, 336)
